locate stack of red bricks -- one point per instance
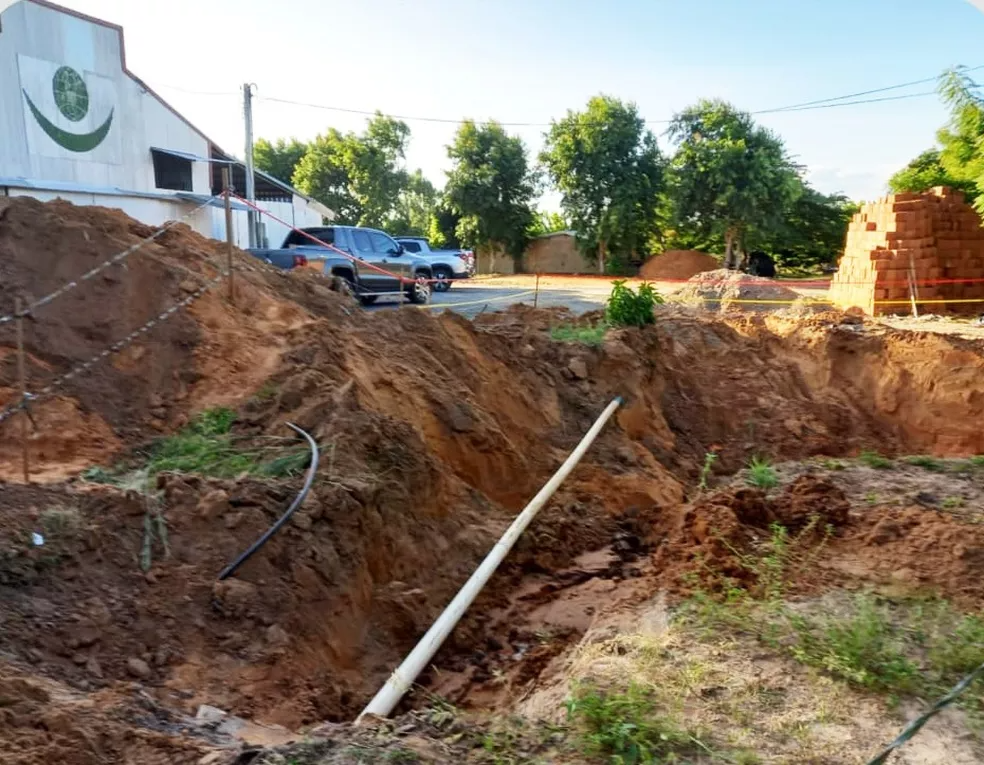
(935, 235)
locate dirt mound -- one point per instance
(678, 264)
(434, 432)
(209, 354)
(726, 290)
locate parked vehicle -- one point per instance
(284, 259)
(370, 261)
(446, 264)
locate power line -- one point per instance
(823, 103)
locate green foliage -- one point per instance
(928, 463)
(705, 471)
(414, 207)
(761, 474)
(279, 159)
(206, 447)
(728, 175)
(925, 172)
(609, 169)
(490, 187)
(875, 460)
(548, 223)
(862, 646)
(811, 232)
(961, 139)
(573, 333)
(626, 308)
(442, 226)
(360, 177)
(626, 727)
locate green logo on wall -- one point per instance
(72, 100)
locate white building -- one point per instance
(76, 124)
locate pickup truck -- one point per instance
(371, 262)
(446, 264)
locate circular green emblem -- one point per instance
(71, 94)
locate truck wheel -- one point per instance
(419, 292)
(442, 277)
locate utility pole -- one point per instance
(250, 178)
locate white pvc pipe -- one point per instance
(404, 675)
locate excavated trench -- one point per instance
(432, 444)
(434, 431)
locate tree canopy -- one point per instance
(728, 175)
(279, 159)
(608, 167)
(490, 187)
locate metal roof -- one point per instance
(19, 182)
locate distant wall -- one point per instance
(938, 233)
(556, 254)
(549, 254)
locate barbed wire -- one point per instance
(913, 728)
(119, 257)
(116, 347)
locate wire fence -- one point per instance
(116, 347)
(916, 725)
(118, 258)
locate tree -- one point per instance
(728, 175)
(414, 206)
(490, 187)
(925, 172)
(279, 159)
(609, 170)
(376, 174)
(360, 177)
(812, 232)
(323, 173)
(962, 140)
(547, 223)
(442, 229)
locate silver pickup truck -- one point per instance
(372, 262)
(447, 265)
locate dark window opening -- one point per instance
(295, 238)
(171, 172)
(411, 246)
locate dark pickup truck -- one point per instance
(370, 261)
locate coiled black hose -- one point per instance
(231, 568)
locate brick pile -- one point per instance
(936, 232)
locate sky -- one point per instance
(532, 60)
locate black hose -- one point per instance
(231, 568)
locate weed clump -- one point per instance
(571, 333)
(626, 308)
(761, 474)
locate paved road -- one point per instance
(471, 298)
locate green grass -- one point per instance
(705, 471)
(928, 463)
(573, 333)
(833, 465)
(206, 447)
(951, 503)
(626, 726)
(761, 474)
(875, 460)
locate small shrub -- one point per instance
(833, 465)
(875, 460)
(627, 727)
(571, 333)
(626, 308)
(951, 503)
(761, 474)
(927, 463)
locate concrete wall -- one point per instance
(556, 254)
(937, 233)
